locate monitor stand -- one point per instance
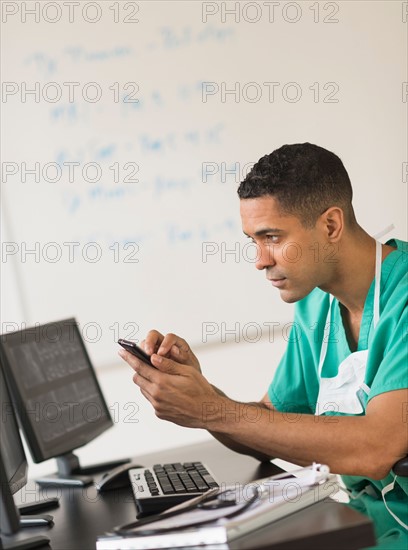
(71, 474)
(35, 507)
(39, 541)
(36, 521)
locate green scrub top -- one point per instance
(295, 386)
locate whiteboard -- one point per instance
(130, 209)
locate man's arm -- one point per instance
(352, 445)
(232, 444)
(366, 445)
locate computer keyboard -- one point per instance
(161, 486)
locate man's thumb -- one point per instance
(164, 364)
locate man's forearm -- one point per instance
(348, 444)
(239, 447)
(234, 445)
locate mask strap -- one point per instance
(378, 236)
(378, 254)
(388, 488)
(351, 495)
(326, 334)
(384, 231)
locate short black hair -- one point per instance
(305, 179)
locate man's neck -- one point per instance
(354, 271)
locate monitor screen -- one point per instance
(54, 387)
(12, 452)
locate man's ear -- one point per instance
(332, 222)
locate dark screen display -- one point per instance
(59, 400)
(12, 451)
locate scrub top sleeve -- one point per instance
(392, 373)
(287, 391)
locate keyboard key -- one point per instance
(210, 480)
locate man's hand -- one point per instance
(176, 389)
(171, 346)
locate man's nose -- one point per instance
(265, 257)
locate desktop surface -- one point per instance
(84, 514)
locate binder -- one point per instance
(279, 498)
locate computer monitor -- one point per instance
(12, 451)
(56, 394)
(13, 473)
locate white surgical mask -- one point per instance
(347, 392)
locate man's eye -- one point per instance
(272, 238)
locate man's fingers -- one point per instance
(146, 394)
(144, 386)
(170, 345)
(140, 367)
(168, 341)
(130, 359)
(140, 380)
(164, 364)
(172, 340)
(152, 341)
(182, 353)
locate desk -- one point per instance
(84, 514)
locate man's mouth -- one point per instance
(278, 282)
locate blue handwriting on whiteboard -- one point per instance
(77, 53)
(168, 38)
(177, 233)
(171, 37)
(171, 141)
(42, 62)
(73, 201)
(90, 152)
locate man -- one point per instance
(339, 396)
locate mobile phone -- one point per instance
(136, 351)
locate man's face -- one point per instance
(290, 254)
